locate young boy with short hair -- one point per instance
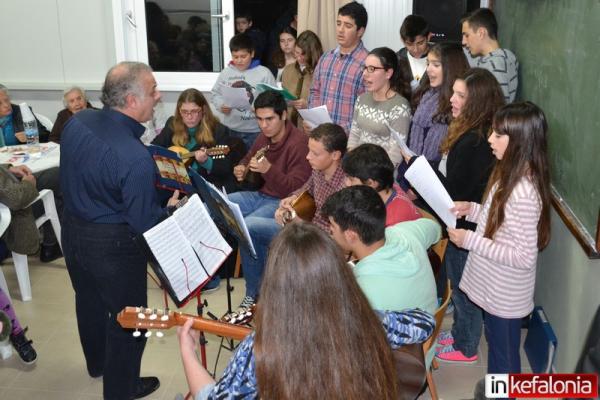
(480, 39)
(242, 72)
(393, 268)
(369, 164)
(244, 23)
(326, 146)
(415, 34)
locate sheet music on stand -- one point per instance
(187, 250)
(224, 210)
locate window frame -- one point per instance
(129, 24)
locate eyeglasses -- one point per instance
(190, 113)
(371, 69)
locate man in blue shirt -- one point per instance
(107, 177)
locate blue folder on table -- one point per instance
(540, 342)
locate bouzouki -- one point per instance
(218, 151)
(252, 180)
(147, 318)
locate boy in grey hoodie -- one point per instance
(242, 72)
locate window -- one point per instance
(183, 41)
(186, 41)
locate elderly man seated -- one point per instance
(11, 122)
(74, 100)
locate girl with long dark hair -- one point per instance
(316, 335)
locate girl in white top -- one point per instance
(513, 224)
(385, 102)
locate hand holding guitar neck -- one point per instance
(146, 318)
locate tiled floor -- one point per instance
(60, 372)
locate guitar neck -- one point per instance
(235, 332)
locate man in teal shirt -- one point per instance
(393, 268)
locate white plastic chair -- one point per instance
(4, 222)
(47, 122)
(20, 260)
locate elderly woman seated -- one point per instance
(74, 100)
(11, 122)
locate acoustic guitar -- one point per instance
(252, 180)
(304, 207)
(188, 157)
(409, 359)
(147, 318)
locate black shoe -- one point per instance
(146, 386)
(24, 347)
(50, 252)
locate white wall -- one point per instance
(385, 18)
(50, 44)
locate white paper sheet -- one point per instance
(204, 236)
(315, 116)
(400, 140)
(176, 257)
(174, 240)
(422, 177)
(235, 97)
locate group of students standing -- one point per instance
(453, 104)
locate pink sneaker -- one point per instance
(445, 338)
(450, 355)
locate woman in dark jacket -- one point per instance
(195, 128)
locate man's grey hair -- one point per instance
(4, 90)
(73, 89)
(121, 80)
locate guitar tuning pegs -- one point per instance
(136, 333)
(164, 318)
(159, 334)
(153, 316)
(148, 334)
(141, 315)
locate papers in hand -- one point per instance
(235, 97)
(400, 140)
(422, 177)
(263, 87)
(188, 247)
(315, 116)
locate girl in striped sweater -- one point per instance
(513, 224)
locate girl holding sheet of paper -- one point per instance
(466, 164)
(297, 77)
(513, 224)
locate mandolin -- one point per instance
(304, 207)
(252, 180)
(219, 151)
(147, 318)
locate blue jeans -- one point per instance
(259, 211)
(504, 340)
(247, 137)
(468, 317)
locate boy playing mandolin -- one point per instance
(282, 166)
